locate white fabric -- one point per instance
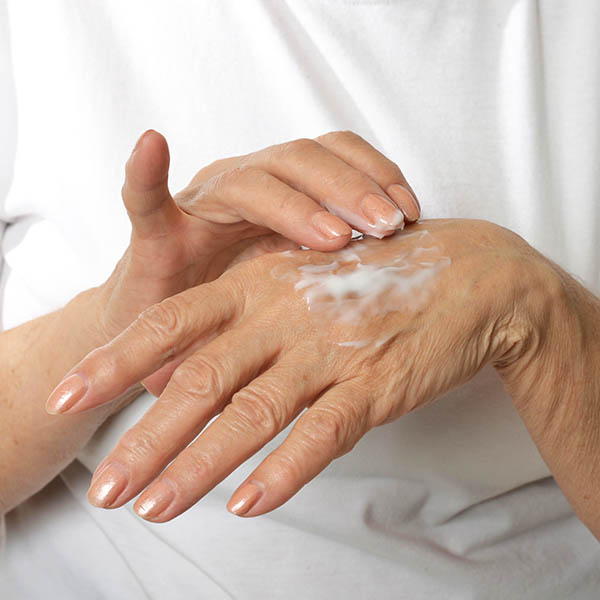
(7, 129)
(491, 108)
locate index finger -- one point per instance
(159, 333)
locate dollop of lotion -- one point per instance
(368, 280)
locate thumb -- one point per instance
(146, 196)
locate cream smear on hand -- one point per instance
(365, 282)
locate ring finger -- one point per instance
(256, 414)
(197, 391)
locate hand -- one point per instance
(358, 337)
(180, 242)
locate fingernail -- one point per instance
(245, 498)
(156, 499)
(402, 196)
(329, 226)
(381, 213)
(107, 484)
(67, 394)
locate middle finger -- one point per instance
(309, 167)
(256, 414)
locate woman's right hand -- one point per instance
(277, 198)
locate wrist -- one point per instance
(551, 372)
(554, 384)
(86, 316)
(545, 330)
(111, 306)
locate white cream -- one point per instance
(354, 343)
(369, 279)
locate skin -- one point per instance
(234, 209)
(257, 357)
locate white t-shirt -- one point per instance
(492, 110)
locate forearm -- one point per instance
(35, 446)
(556, 388)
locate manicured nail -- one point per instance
(329, 226)
(403, 197)
(156, 499)
(245, 498)
(381, 213)
(107, 484)
(67, 394)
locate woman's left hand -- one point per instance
(359, 337)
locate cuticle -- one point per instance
(173, 486)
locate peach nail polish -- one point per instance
(68, 393)
(381, 213)
(156, 499)
(246, 497)
(107, 485)
(329, 226)
(405, 198)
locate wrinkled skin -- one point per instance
(256, 351)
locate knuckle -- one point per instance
(238, 176)
(302, 145)
(217, 165)
(341, 137)
(163, 320)
(330, 426)
(350, 181)
(324, 425)
(198, 378)
(294, 148)
(194, 464)
(255, 411)
(137, 443)
(288, 466)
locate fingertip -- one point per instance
(145, 191)
(149, 136)
(330, 245)
(245, 502)
(317, 243)
(68, 393)
(333, 233)
(406, 200)
(148, 165)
